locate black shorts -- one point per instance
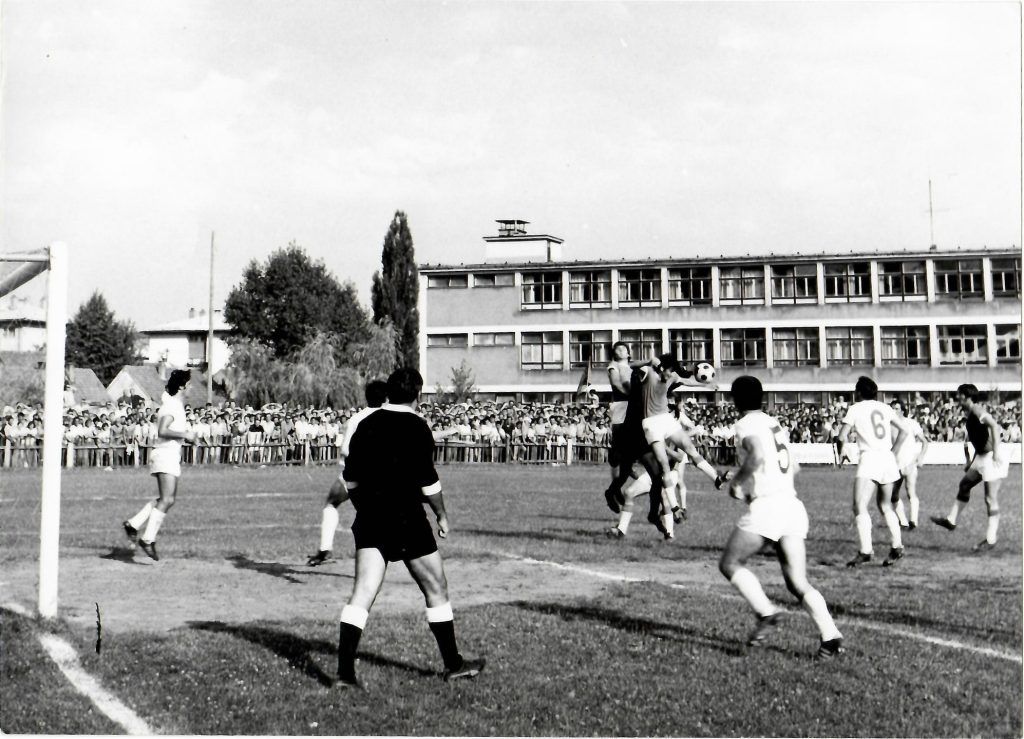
(396, 540)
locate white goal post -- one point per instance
(54, 260)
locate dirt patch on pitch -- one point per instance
(133, 593)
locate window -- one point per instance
(1006, 278)
(643, 344)
(447, 340)
(640, 286)
(590, 288)
(902, 280)
(786, 399)
(741, 285)
(445, 281)
(542, 350)
(956, 279)
(542, 290)
(848, 282)
(849, 345)
(793, 347)
(690, 286)
(743, 347)
(905, 345)
(962, 345)
(589, 347)
(795, 283)
(494, 279)
(1008, 344)
(494, 339)
(691, 345)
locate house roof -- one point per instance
(193, 325)
(148, 378)
(24, 312)
(88, 388)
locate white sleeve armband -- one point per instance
(432, 489)
(350, 485)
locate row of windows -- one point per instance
(956, 279)
(746, 347)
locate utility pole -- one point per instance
(931, 214)
(209, 334)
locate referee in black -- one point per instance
(390, 474)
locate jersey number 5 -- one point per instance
(782, 451)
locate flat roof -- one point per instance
(738, 259)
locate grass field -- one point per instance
(232, 634)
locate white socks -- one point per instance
(707, 469)
(156, 517)
(328, 525)
(139, 518)
(915, 508)
(750, 588)
(901, 512)
(958, 506)
(639, 486)
(443, 612)
(893, 524)
(814, 604)
(992, 532)
(863, 523)
(354, 616)
(624, 519)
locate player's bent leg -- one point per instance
(892, 522)
(792, 552)
(862, 490)
(428, 572)
(742, 545)
(910, 478)
(992, 506)
(963, 496)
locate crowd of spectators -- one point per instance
(119, 434)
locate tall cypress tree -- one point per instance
(395, 292)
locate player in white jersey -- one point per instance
(910, 457)
(164, 464)
(877, 469)
(376, 394)
(775, 514)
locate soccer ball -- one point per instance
(704, 373)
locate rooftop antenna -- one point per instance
(931, 214)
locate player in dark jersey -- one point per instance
(990, 465)
(619, 373)
(389, 475)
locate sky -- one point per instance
(133, 130)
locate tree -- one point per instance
(463, 386)
(395, 292)
(285, 302)
(97, 340)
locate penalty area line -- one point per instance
(855, 622)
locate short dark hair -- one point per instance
(969, 391)
(618, 344)
(178, 380)
(747, 393)
(669, 361)
(866, 388)
(376, 393)
(404, 385)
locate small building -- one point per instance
(147, 382)
(22, 324)
(182, 343)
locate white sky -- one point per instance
(132, 129)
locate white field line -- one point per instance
(856, 622)
(64, 655)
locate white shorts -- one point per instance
(165, 460)
(660, 427)
(878, 466)
(985, 466)
(775, 516)
(617, 411)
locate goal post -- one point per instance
(53, 260)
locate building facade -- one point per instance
(182, 343)
(806, 325)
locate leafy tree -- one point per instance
(285, 302)
(463, 386)
(395, 291)
(97, 340)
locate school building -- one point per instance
(529, 323)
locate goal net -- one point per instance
(17, 269)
